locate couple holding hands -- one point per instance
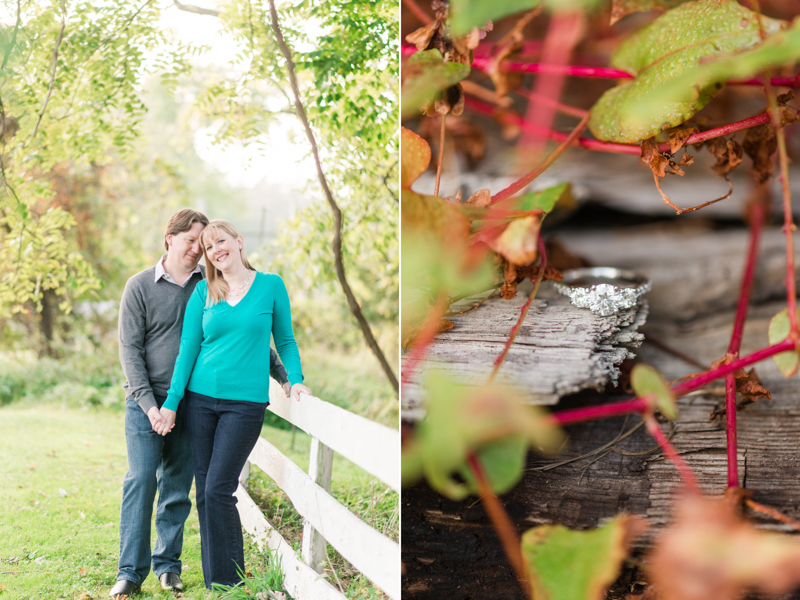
(195, 349)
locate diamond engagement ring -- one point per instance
(603, 290)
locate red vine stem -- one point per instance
(544, 165)
(501, 522)
(788, 223)
(602, 411)
(756, 220)
(523, 311)
(441, 158)
(670, 452)
(418, 12)
(633, 149)
(641, 405)
(563, 33)
(692, 384)
(730, 431)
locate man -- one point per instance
(150, 323)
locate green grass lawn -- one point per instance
(61, 472)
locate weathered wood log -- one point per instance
(559, 349)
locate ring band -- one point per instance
(603, 290)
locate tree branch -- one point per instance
(55, 66)
(13, 39)
(198, 10)
(337, 213)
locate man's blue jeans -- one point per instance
(222, 433)
(155, 463)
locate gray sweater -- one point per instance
(150, 323)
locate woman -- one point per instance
(223, 365)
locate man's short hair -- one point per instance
(182, 221)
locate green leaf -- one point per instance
(778, 331)
(542, 200)
(503, 462)
(466, 14)
(565, 564)
(425, 75)
(676, 74)
(646, 380)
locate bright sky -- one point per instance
(277, 160)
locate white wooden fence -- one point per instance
(373, 447)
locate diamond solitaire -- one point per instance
(603, 290)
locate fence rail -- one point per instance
(373, 447)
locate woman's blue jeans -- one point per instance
(222, 434)
(155, 463)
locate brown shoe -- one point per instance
(171, 581)
(124, 589)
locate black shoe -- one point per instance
(171, 581)
(123, 589)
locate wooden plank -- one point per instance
(370, 445)
(371, 552)
(320, 469)
(302, 582)
(560, 349)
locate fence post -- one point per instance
(320, 468)
(245, 474)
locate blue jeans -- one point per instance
(155, 463)
(222, 434)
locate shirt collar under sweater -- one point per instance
(162, 272)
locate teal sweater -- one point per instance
(224, 349)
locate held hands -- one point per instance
(161, 421)
(299, 388)
(156, 422)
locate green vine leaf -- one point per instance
(490, 421)
(425, 75)
(646, 380)
(565, 564)
(778, 331)
(681, 61)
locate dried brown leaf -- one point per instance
(677, 139)
(422, 37)
(687, 159)
(728, 154)
(709, 552)
(658, 164)
(481, 198)
(760, 143)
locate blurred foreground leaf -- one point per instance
(490, 421)
(710, 552)
(425, 74)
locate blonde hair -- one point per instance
(217, 286)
